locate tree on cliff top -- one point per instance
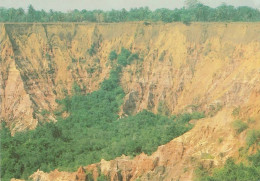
(193, 11)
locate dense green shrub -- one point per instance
(83, 139)
(126, 57)
(123, 56)
(113, 55)
(255, 160)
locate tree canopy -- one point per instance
(194, 11)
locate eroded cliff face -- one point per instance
(203, 66)
(211, 67)
(40, 63)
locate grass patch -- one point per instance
(253, 137)
(236, 111)
(206, 156)
(92, 50)
(220, 140)
(250, 121)
(239, 126)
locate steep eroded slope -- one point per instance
(211, 67)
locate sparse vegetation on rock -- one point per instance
(239, 126)
(232, 171)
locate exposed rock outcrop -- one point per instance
(53, 176)
(81, 174)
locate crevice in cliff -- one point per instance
(21, 69)
(8, 31)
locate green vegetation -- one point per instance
(250, 121)
(232, 171)
(44, 112)
(163, 108)
(253, 136)
(214, 109)
(236, 111)
(239, 126)
(92, 50)
(220, 140)
(113, 55)
(248, 170)
(162, 55)
(195, 12)
(206, 156)
(91, 70)
(125, 57)
(92, 131)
